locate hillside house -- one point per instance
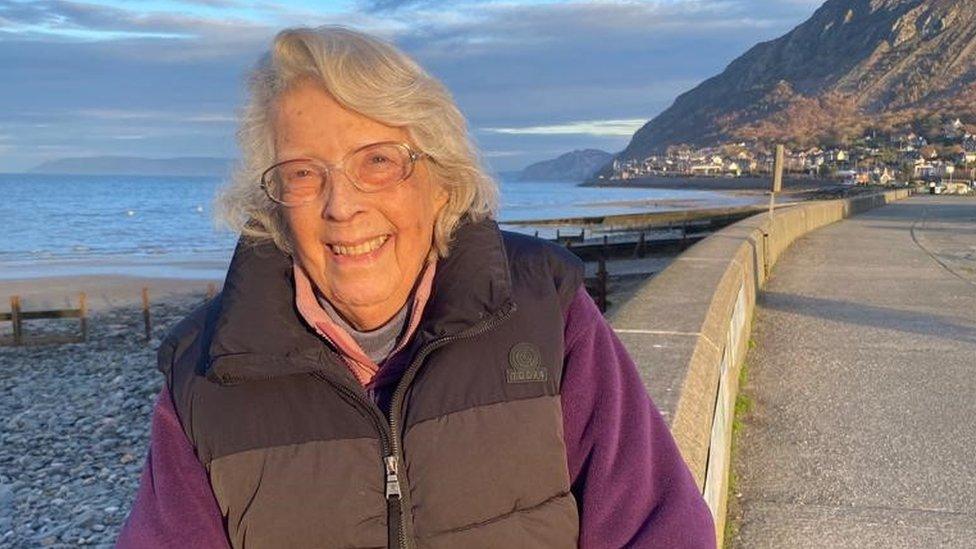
(953, 129)
(882, 176)
(923, 169)
(706, 169)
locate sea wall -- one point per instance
(688, 329)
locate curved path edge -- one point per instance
(688, 329)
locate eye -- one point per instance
(300, 173)
(378, 158)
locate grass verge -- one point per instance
(743, 405)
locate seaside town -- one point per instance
(945, 159)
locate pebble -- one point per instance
(74, 427)
(6, 506)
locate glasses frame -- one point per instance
(330, 169)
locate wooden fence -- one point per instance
(17, 316)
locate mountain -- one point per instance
(854, 65)
(131, 165)
(572, 166)
(508, 175)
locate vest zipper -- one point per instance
(392, 491)
(394, 513)
(390, 432)
(396, 410)
(392, 481)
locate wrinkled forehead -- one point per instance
(306, 120)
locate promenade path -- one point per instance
(863, 377)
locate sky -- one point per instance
(535, 78)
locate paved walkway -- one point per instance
(863, 431)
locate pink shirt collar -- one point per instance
(318, 319)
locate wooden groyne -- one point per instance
(17, 316)
(719, 217)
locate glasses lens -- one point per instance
(296, 181)
(380, 166)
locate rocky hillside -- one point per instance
(854, 65)
(572, 166)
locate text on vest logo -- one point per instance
(524, 364)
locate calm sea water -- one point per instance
(162, 226)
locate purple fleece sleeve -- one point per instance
(632, 487)
(174, 506)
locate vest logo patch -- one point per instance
(525, 364)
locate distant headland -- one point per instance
(133, 165)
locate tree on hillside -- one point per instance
(931, 126)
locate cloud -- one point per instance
(72, 21)
(129, 115)
(118, 114)
(212, 118)
(214, 3)
(601, 128)
(389, 5)
(501, 154)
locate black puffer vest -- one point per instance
(472, 453)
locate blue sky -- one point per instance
(535, 78)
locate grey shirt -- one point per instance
(379, 342)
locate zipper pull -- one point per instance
(392, 480)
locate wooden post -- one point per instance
(83, 306)
(582, 236)
(537, 234)
(601, 278)
(777, 177)
(639, 248)
(145, 312)
(765, 256)
(606, 249)
(557, 235)
(15, 318)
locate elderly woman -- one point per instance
(385, 367)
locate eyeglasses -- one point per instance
(371, 168)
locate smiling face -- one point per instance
(363, 251)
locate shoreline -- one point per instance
(748, 185)
(795, 189)
(103, 292)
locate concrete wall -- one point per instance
(688, 329)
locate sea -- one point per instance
(162, 226)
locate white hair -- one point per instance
(372, 77)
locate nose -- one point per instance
(342, 200)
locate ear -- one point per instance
(440, 192)
(441, 196)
